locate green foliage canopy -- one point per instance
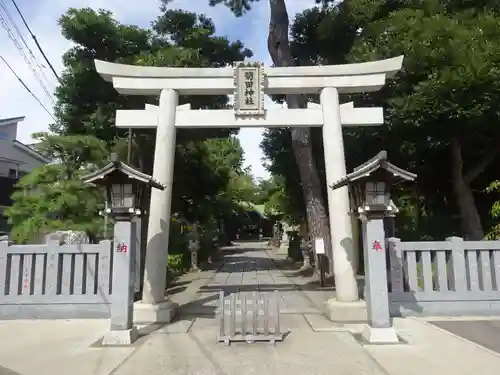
(53, 197)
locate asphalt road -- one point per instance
(482, 332)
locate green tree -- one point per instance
(278, 202)
(242, 187)
(265, 189)
(494, 232)
(53, 196)
(208, 191)
(440, 116)
(86, 103)
(277, 147)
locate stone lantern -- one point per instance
(370, 185)
(124, 186)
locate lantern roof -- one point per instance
(377, 163)
(116, 168)
(393, 206)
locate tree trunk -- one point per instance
(470, 219)
(279, 49)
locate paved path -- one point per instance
(249, 268)
(246, 268)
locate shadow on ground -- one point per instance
(6, 371)
(242, 268)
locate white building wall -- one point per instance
(14, 157)
(8, 132)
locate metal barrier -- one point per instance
(249, 320)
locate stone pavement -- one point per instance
(314, 345)
(250, 267)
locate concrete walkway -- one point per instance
(314, 345)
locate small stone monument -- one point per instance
(305, 249)
(194, 247)
(285, 239)
(69, 237)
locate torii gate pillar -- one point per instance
(344, 252)
(154, 307)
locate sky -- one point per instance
(42, 17)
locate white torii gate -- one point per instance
(169, 83)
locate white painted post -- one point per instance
(154, 307)
(338, 200)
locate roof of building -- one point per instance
(11, 120)
(27, 149)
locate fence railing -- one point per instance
(55, 281)
(451, 277)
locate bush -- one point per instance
(176, 264)
(178, 245)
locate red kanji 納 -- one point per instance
(377, 246)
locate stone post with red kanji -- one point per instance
(123, 284)
(376, 293)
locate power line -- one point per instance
(36, 41)
(12, 36)
(27, 88)
(20, 34)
